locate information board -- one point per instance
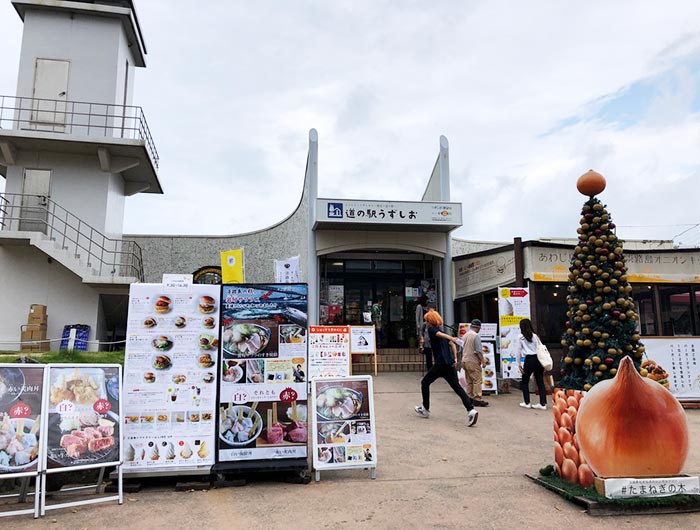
(263, 389)
(329, 351)
(343, 424)
(678, 358)
(170, 368)
(513, 306)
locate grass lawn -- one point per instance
(81, 357)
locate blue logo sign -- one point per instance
(335, 210)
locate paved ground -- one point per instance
(433, 474)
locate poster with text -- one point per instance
(344, 430)
(21, 388)
(81, 416)
(262, 389)
(673, 362)
(329, 351)
(362, 339)
(513, 306)
(170, 374)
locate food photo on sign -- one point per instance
(263, 424)
(83, 421)
(20, 420)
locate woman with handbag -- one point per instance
(526, 354)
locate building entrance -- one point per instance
(361, 290)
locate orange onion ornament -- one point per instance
(631, 426)
(590, 183)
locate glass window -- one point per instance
(381, 265)
(643, 296)
(475, 309)
(551, 310)
(676, 315)
(413, 267)
(333, 265)
(358, 265)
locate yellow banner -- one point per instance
(510, 320)
(232, 270)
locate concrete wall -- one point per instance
(27, 277)
(461, 247)
(91, 44)
(186, 254)
(78, 185)
(329, 241)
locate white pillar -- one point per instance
(447, 278)
(312, 259)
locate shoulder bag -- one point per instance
(543, 355)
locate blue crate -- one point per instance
(82, 335)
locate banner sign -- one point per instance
(329, 351)
(81, 418)
(344, 431)
(513, 306)
(21, 390)
(262, 390)
(288, 270)
(170, 374)
(232, 266)
(675, 362)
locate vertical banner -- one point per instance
(262, 391)
(513, 306)
(329, 351)
(21, 389)
(82, 416)
(170, 373)
(344, 431)
(232, 266)
(287, 270)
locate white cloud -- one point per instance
(232, 89)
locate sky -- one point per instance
(530, 96)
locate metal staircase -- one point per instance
(97, 259)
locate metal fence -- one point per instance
(77, 118)
(38, 213)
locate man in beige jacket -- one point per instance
(472, 362)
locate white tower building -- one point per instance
(72, 148)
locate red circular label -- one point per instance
(20, 410)
(288, 395)
(101, 406)
(180, 443)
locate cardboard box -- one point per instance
(37, 318)
(34, 327)
(37, 309)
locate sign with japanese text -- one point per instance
(21, 392)
(343, 424)
(627, 488)
(170, 374)
(288, 270)
(177, 283)
(677, 364)
(362, 339)
(487, 334)
(329, 351)
(482, 273)
(263, 386)
(81, 417)
(448, 214)
(513, 306)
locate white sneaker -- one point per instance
(423, 413)
(540, 407)
(526, 405)
(472, 417)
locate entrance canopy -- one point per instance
(342, 214)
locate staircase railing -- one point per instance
(39, 213)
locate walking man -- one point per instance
(445, 354)
(472, 362)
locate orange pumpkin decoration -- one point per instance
(590, 183)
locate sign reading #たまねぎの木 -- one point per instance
(627, 488)
(343, 423)
(262, 390)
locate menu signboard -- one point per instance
(82, 416)
(513, 306)
(262, 390)
(21, 389)
(487, 332)
(170, 370)
(344, 434)
(329, 351)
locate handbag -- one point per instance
(543, 355)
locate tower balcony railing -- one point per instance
(102, 255)
(77, 118)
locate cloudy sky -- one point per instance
(529, 94)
